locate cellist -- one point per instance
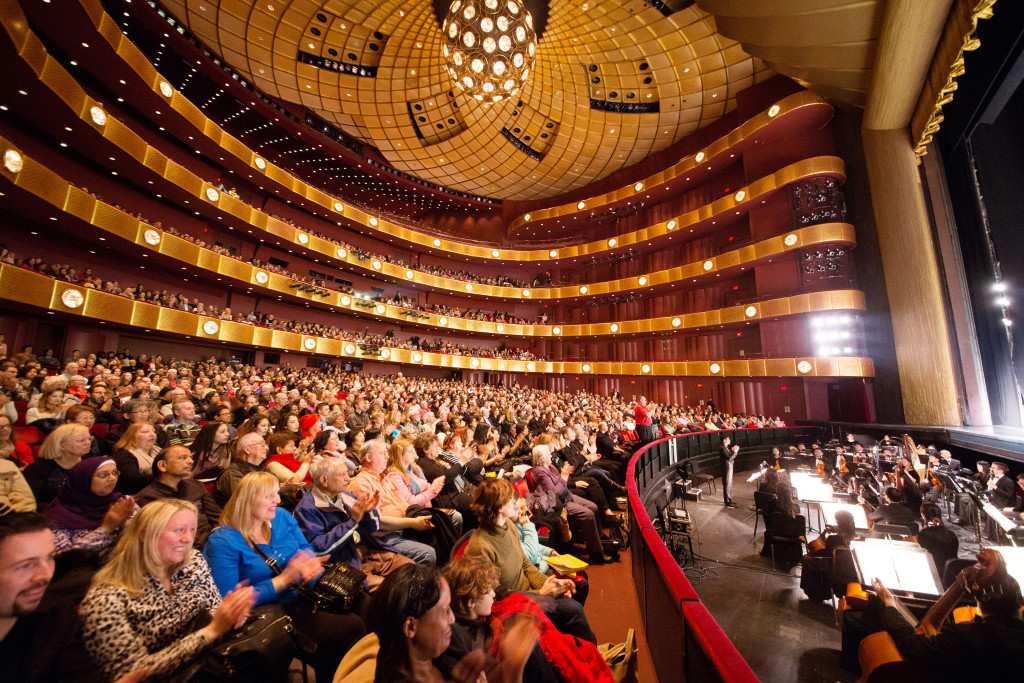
(986, 649)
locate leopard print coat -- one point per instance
(124, 633)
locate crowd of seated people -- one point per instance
(202, 470)
(139, 292)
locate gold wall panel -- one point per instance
(107, 307)
(145, 315)
(79, 204)
(237, 333)
(235, 268)
(179, 322)
(25, 286)
(263, 336)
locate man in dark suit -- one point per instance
(1004, 491)
(727, 458)
(892, 511)
(949, 461)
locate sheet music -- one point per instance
(860, 518)
(909, 569)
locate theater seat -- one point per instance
(459, 549)
(521, 487)
(99, 430)
(21, 407)
(31, 435)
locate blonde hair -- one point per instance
(395, 452)
(238, 511)
(52, 447)
(128, 439)
(137, 554)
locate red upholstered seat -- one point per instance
(521, 487)
(31, 435)
(100, 430)
(21, 407)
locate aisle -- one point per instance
(612, 608)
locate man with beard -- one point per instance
(38, 645)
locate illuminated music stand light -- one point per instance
(901, 567)
(1014, 561)
(860, 518)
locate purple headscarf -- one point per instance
(76, 506)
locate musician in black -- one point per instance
(1003, 492)
(727, 458)
(986, 649)
(934, 537)
(892, 511)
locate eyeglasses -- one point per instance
(113, 474)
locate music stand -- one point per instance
(860, 518)
(902, 567)
(810, 489)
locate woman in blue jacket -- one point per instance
(252, 519)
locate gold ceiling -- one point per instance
(304, 51)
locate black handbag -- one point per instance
(261, 650)
(339, 589)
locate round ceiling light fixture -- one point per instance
(151, 236)
(262, 277)
(553, 254)
(350, 349)
(260, 163)
(417, 357)
(671, 225)
(380, 309)
(676, 322)
(789, 240)
(165, 89)
(488, 47)
(715, 368)
(586, 367)
(526, 293)
(773, 111)
(615, 327)
(501, 328)
(346, 300)
(409, 275)
(210, 327)
(645, 368)
(309, 343)
(342, 253)
(803, 367)
(437, 243)
(531, 366)
(495, 253)
(751, 311)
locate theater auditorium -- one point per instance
(511, 340)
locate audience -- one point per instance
(255, 533)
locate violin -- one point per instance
(819, 468)
(842, 465)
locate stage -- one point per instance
(783, 636)
(968, 444)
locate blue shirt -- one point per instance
(233, 560)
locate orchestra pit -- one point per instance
(511, 340)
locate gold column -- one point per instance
(910, 32)
(912, 279)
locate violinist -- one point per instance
(986, 649)
(892, 511)
(842, 465)
(820, 465)
(948, 459)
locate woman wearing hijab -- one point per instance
(87, 513)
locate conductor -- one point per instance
(727, 457)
